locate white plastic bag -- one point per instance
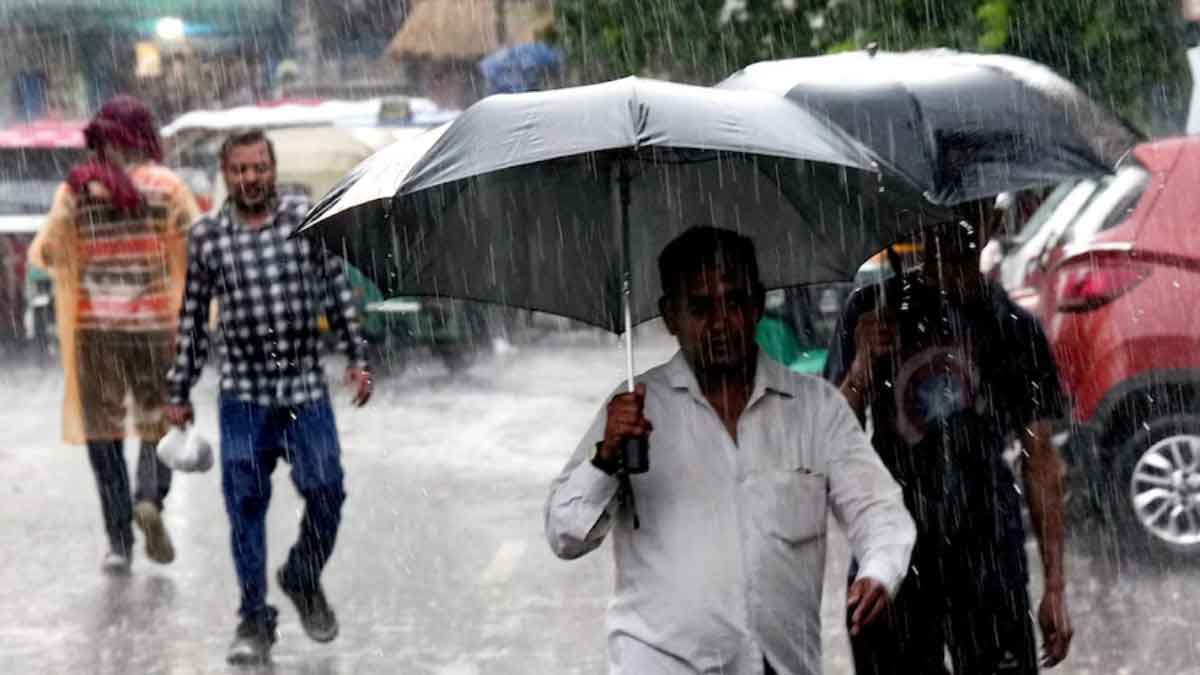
(185, 451)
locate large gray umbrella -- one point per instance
(955, 125)
(558, 200)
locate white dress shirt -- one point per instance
(728, 564)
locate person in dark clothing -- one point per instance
(950, 372)
(271, 290)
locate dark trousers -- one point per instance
(982, 621)
(253, 438)
(112, 479)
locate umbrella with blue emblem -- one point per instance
(520, 68)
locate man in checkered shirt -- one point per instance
(274, 403)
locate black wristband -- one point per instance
(608, 466)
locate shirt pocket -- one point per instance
(793, 503)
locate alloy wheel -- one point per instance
(1165, 490)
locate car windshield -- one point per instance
(1043, 213)
(1111, 206)
(1054, 216)
(29, 176)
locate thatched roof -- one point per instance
(465, 29)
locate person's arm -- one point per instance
(865, 498)
(192, 340)
(182, 212)
(183, 209)
(46, 251)
(853, 388)
(582, 506)
(342, 313)
(1043, 478)
(1040, 401)
(869, 505)
(847, 367)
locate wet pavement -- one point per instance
(441, 566)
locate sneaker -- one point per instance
(115, 563)
(252, 642)
(158, 542)
(317, 617)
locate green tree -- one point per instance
(1127, 54)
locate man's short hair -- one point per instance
(705, 245)
(246, 137)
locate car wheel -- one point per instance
(387, 357)
(1157, 489)
(457, 358)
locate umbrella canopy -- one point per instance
(520, 68)
(554, 200)
(957, 126)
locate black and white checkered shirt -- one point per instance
(270, 292)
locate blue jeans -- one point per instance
(253, 438)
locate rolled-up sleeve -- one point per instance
(866, 500)
(579, 511)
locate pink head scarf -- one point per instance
(124, 123)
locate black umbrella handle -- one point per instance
(625, 497)
(635, 454)
(635, 458)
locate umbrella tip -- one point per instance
(872, 48)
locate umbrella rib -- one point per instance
(930, 146)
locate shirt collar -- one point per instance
(768, 376)
(231, 215)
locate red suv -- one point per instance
(1119, 304)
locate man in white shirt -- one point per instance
(721, 568)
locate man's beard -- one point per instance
(733, 358)
(255, 209)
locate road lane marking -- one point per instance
(459, 667)
(504, 562)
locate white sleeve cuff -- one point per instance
(884, 573)
(593, 486)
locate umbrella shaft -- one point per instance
(627, 301)
(623, 181)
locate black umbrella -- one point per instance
(561, 201)
(957, 126)
(556, 200)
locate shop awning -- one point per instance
(44, 134)
(465, 29)
(140, 15)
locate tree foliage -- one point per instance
(1128, 54)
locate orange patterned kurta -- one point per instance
(112, 271)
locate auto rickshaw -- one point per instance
(451, 330)
(799, 323)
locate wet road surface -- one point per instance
(441, 566)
